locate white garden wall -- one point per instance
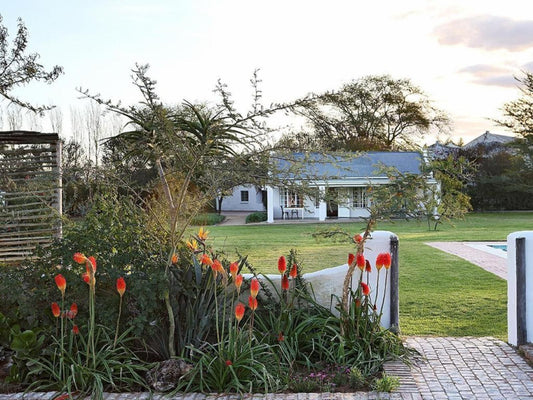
(329, 281)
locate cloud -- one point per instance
(487, 32)
(490, 75)
(528, 66)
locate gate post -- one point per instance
(519, 279)
(394, 286)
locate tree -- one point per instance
(18, 68)
(372, 113)
(518, 117)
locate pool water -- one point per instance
(499, 246)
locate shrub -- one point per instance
(207, 219)
(259, 216)
(386, 383)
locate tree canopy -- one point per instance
(371, 113)
(18, 68)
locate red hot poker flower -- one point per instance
(366, 289)
(281, 338)
(294, 271)
(358, 238)
(61, 283)
(360, 261)
(73, 311)
(56, 310)
(282, 265)
(92, 261)
(239, 311)
(79, 258)
(86, 278)
(238, 282)
(383, 260)
(228, 363)
(75, 330)
(254, 287)
(368, 267)
(351, 259)
(233, 269)
(284, 283)
(174, 259)
(252, 303)
(121, 286)
(206, 260)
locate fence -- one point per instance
(30, 193)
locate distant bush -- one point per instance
(207, 219)
(259, 216)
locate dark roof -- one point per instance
(489, 138)
(353, 165)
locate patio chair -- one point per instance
(294, 212)
(284, 213)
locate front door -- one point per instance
(331, 201)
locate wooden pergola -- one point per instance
(30, 193)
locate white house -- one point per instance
(342, 180)
(244, 198)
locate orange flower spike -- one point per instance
(357, 238)
(79, 258)
(238, 282)
(174, 259)
(284, 283)
(239, 311)
(383, 260)
(252, 303)
(233, 269)
(92, 261)
(206, 260)
(254, 287)
(294, 271)
(366, 289)
(121, 286)
(56, 311)
(387, 260)
(360, 261)
(61, 283)
(351, 259)
(282, 265)
(202, 234)
(75, 330)
(73, 310)
(368, 267)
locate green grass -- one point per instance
(440, 294)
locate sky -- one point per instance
(463, 54)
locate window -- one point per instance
(244, 196)
(291, 199)
(360, 199)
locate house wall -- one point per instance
(234, 203)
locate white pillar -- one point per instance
(270, 204)
(322, 208)
(512, 315)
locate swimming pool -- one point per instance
(502, 247)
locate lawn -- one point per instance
(440, 294)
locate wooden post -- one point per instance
(521, 327)
(59, 193)
(394, 286)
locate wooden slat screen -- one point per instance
(30, 193)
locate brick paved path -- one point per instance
(470, 368)
(448, 368)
